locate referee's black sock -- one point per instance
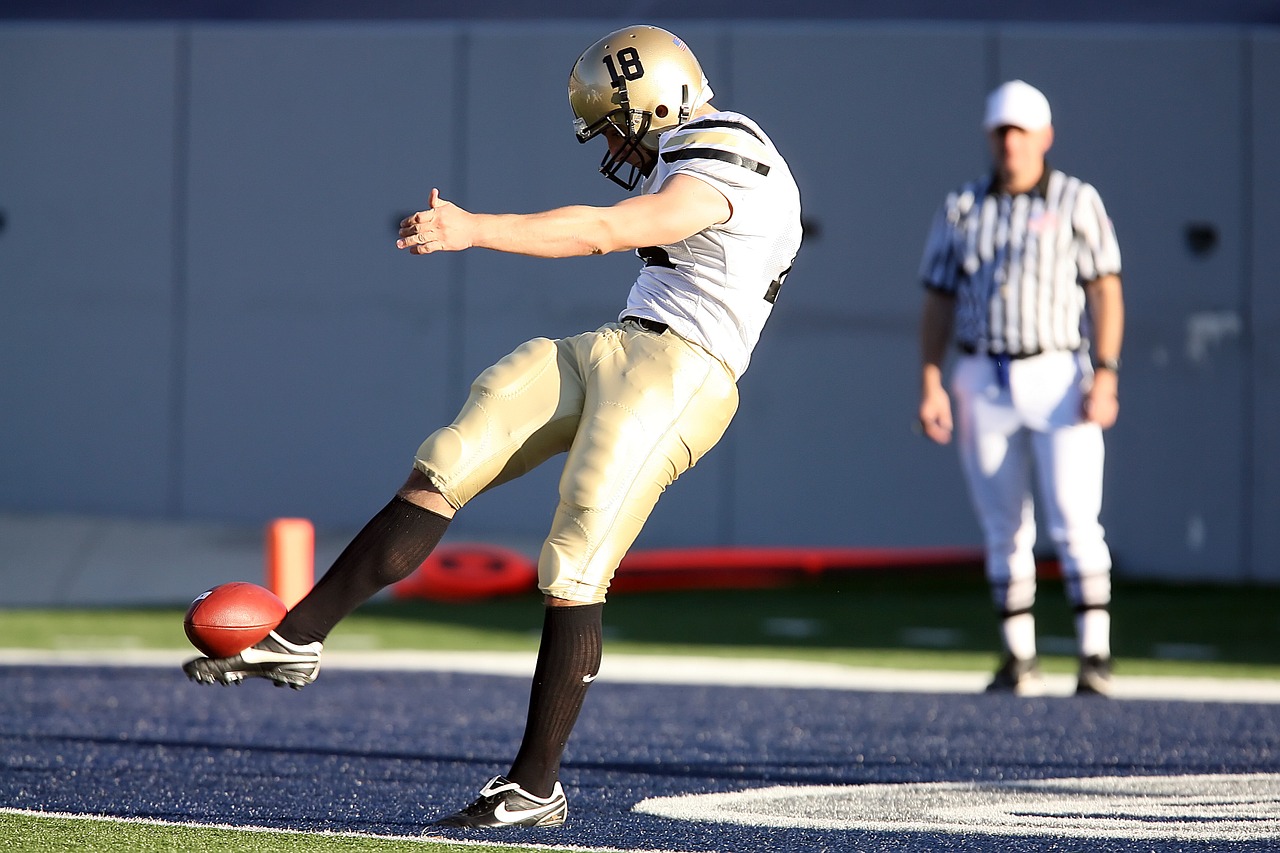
(568, 660)
(389, 548)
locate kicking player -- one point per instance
(633, 404)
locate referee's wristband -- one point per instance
(1112, 364)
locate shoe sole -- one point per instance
(553, 819)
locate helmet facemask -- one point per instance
(633, 126)
(613, 161)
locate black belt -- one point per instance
(970, 349)
(646, 324)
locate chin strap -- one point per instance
(624, 101)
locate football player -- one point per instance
(633, 404)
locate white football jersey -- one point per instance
(718, 287)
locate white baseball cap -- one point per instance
(1019, 104)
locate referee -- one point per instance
(1022, 269)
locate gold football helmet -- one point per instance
(641, 81)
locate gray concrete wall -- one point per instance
(205, 318)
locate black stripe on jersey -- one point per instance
(716, 122)
(715, 154)
(655, 256)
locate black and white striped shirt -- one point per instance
(1017, 263)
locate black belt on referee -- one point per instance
(970, 349)
(646, 324)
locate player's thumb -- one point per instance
(436, 201)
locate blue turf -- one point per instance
(386, 753)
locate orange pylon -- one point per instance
(291, 558)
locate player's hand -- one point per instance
(935, 415)
(1101, 404)
(444, 227)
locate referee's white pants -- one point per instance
(1032, 426)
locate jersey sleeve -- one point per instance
(1099, 249)
(730, 155)
(939, 265)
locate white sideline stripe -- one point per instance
(226, 827)
(732, 672)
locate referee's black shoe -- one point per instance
(1095, 676)
(504, 803)
(1019, 676)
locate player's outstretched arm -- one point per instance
(683, 207)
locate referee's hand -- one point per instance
(935, 415)
(1101, 402)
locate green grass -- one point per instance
(26, 833)
(911, 619)
(905, 619)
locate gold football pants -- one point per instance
(633, 409)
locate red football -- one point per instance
(230, 618)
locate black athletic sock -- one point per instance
(568, 660)
(389, 548)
